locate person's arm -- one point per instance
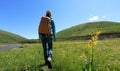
(53, 29)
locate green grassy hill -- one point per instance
(85, 29)
(7, 37)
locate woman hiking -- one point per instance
(47, 32)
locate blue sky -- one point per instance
(22, 17)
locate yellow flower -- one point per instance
(95, 42)
(93, 38)
(89, 44)
(96, 37)
(98, 33)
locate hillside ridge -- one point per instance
(84, 30)
(8, 37)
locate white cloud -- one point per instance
(103, 16)
(94, 18)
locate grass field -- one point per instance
(67, 56)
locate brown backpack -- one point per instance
(45, 26)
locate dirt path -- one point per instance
(9, 47)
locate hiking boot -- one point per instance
(49, 65)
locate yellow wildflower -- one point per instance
(89, 44)
(95, 42)
(92, 38)
(98, 33)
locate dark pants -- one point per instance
(47, 45)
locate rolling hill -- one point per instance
(82, 31)
(7, 37)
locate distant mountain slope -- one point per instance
(7, 37)
(85, 29)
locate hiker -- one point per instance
(47, 32)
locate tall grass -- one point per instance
(67, 56)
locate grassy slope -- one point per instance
(7, 37)
(85, 29)
(67, 56)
